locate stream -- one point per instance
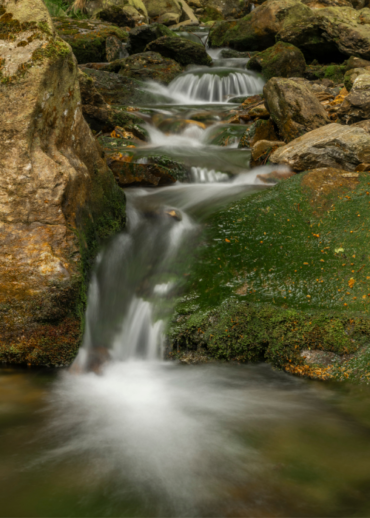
(124, 433)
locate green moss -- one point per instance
(210, 14)
(291, 266)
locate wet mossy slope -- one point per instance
(283, 271)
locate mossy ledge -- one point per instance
(283, 272)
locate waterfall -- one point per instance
(203, 175)
(212, 87)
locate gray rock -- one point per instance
(334, 145)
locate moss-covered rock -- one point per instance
(332, 72)
(122, 13)
(88, 38)
(281, 272)
(281, 60)
(257, 30)
(183, 51)
(330, 35)
(121, 90)
(52, 224)
(147, 66)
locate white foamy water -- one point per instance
(216, 86)
(203, 175)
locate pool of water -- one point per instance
(164, 439)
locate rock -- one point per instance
(365, 125)
(327, 74)
(121, 17)
(127, 173)
(257, 30)
(117, 89)
(275, 176)
(59, 201)
(354, 62)
(230, 54)
(130, 8)
(281, 60)
(329, 34)
(183, 51)
(259, 130)
(293, 107)
(89, 94)
(147, 66)
(113, 48)
(188, 16)
(333, 145)
(88, 38)
(263, 149)
(356, 106)
(351, 75)
(140, 37)
(221, 10)
(167, 12)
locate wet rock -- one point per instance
(262, 150)
(221, 10)
(329, 34)
(147, 66)
(356, 106)
(334, 145)
(183, 51)
(330, 75)
(129, 173)
(257, 30)
(59, 199)
(230, 54)
(365, 125)
(117, 89)
(293, 107)
(113, 48)
(259, 130)
(140, 37)
(275, 176)
(281, 60)
(88, 38)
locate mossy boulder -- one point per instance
(65, 203)
(168, 12)
(351, 75)
(140, 37)
(281, 60)
(183, 51)
(293, 107)
(330, 35)
(281, 272)
(121, 90)
(257, 30)
(147, 66)
(88, 38)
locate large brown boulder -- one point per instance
(293, 107)
(334, 145)
(147, 66)
(58, 199)
(356, 106)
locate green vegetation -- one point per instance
(282, 271)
